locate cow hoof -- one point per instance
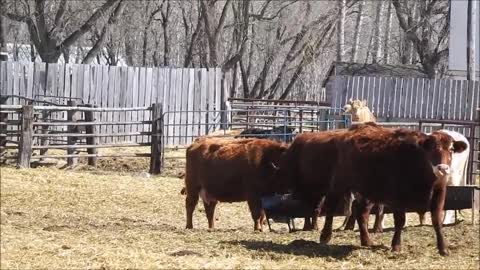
(367, 243)
(443, 252)
(324, 239)
(396, 248)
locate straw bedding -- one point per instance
(117, 216)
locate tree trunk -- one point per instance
(144, 46)
(386, 56)
(166, 46)
(341, 30)
(33, 54)
(3, 39)
(378, 32)
(129, 52)
(410, 48)
(95, 50)
(471, 31)
(358, 30)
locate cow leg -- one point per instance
(436, 209)
(210, 212)
(255, 206)
(307, 225)
(421, 218)
(378, 226)
(315, 222)
(331, 203)
(350, 219)
(190, 204)
(264, 220)
(399, 221)
(364, 207)
(349, 222)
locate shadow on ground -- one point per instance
(299, 247)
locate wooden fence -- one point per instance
(31, 135)
(399, 99)
(114, 87)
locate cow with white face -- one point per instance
(456, 175)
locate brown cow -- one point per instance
(220, 170)
(306, 165)
(401, 168)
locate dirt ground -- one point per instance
(118, 216)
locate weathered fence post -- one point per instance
(26, 138)
(91, 129)
(72, 116)
(156, 141)
(301, 120)
(3, 126)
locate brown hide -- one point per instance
(381, 165)
(392, 167)
(225, 170)
(306, 166)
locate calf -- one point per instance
(220, 170)
(401, 168)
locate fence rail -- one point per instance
(409, 98)
(110, 88)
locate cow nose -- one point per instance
(443, 169)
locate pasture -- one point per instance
(117, 216)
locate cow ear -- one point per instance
(429, 143)
(459, 146)
(350, 101)
(364, 102)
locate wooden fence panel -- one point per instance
(147, 100)
(408, 98)
(177, 101)
(211, 100)
(190, 105)
(184, 106)
(177, 89)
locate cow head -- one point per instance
(439, 148)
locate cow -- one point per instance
(281, 133)
(456, 177)
(402, 168)
(304, 167)
(222, 170)
(359, 110)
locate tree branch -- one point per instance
(60, 13)
(103, 36)
(87, 25)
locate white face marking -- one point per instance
(441, 170)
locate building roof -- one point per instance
(384, 70)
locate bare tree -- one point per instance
(357, 31)
(3, 39)
(386, 41)
(428, 32)
(98, 46)
(378, 35)
(342, 10)
(471, 31)
(44, 28)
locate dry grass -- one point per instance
(117, 216)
